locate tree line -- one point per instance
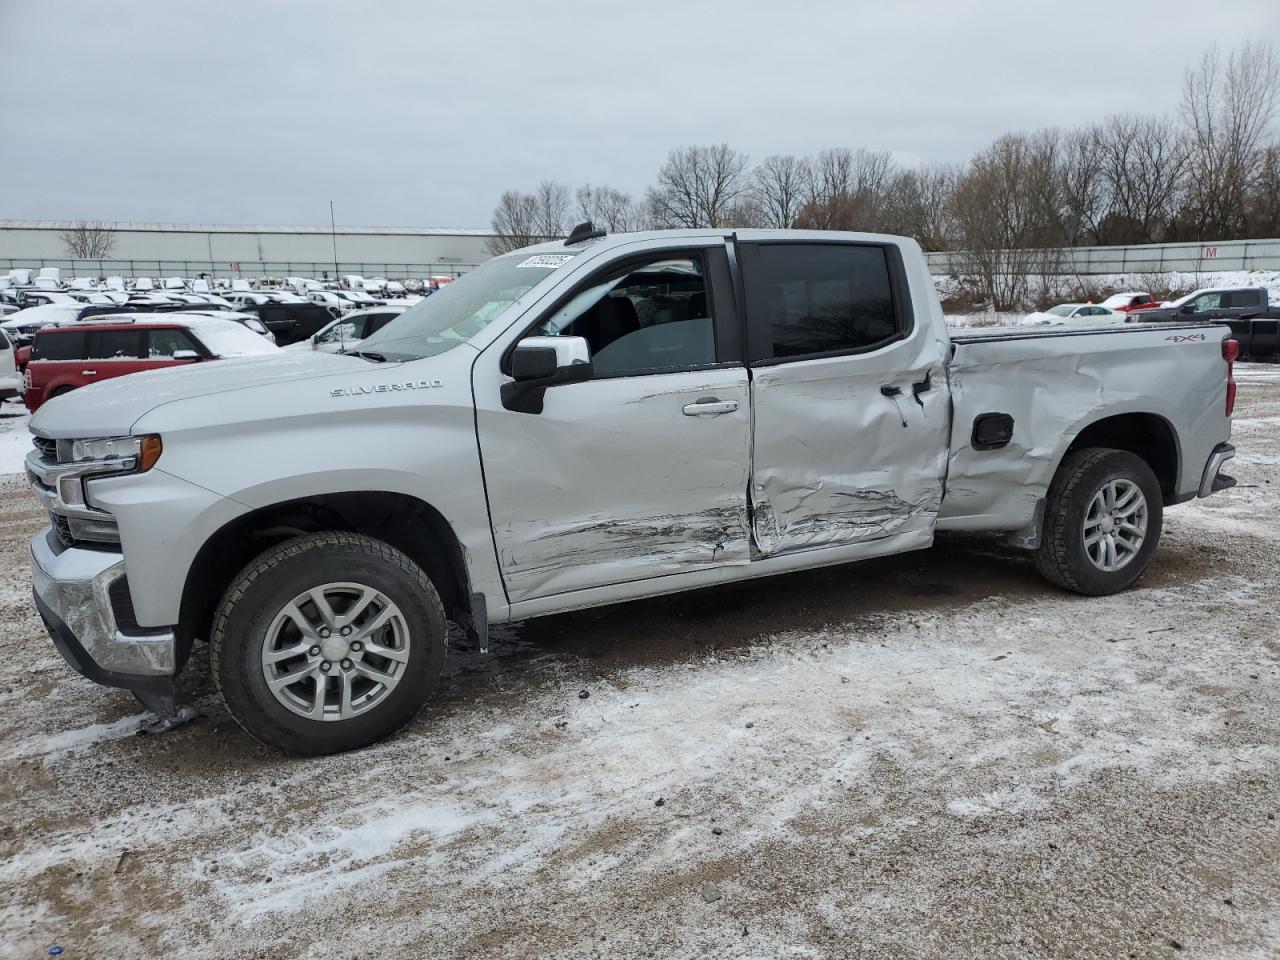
(1211, 172)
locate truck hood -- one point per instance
(112, 407)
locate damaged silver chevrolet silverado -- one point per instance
(582, 423)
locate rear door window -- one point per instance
(59, 345)
(115, 345)
(817, 299)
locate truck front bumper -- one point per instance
(1213, 479)
(73, 592)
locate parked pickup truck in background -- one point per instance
(1258, 336)
(581, 423)
(1219, 304)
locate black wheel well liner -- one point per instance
(412, 526)
(1146, 435)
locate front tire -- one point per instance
(328, 642)
(1102, 522)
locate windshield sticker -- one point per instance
(546, 260)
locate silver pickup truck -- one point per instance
(580, 423)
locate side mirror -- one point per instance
(541, 362)
(1188, 308)
(185, 355)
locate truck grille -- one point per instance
(62, 529)
(48, 449)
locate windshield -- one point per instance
(460, 310)
(1063, 310)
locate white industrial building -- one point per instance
(187, 249)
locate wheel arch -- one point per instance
(1146, 435)
(411, 525)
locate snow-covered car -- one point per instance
(248, 320)
(69, 356)
(348, 331)
(1074, 315)
(38, 298)
(22, 326)
(330, 300)
(1130, 300)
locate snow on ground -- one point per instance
(15, 441)
(927, 755)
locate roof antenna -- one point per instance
(584, 232)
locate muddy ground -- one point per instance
(930, 755)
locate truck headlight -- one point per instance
(130, 454)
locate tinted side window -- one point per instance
(114, 345)
(63, 345)
(806, 298)
(1245, 298)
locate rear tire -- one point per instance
(327, 643)
(1102, 522)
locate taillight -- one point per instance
(1231, 350)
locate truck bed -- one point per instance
(1163, 376)
(984, 334)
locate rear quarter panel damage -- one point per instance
(1055, 387)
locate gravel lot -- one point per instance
(929, 755)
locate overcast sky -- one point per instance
(421, 113)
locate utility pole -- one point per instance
(333, 232)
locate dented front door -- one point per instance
(642, 471)
(849, 398)
(619, 479)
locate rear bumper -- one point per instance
(71, 588)
(1213, 479)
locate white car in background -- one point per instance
(330, 300)
(1074, 315)
(346, 332)
(10, 379)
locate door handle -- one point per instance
(710, 407)
(88, 373)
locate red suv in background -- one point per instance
(77, 354)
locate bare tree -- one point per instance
(614, 210)
(551, 201)
(513, 222)
(1082, 185)
(1143, 161)
(88, 240)
(699, 187)
(1228, 106)
(520, 219)
(1000, 207)
(847, 190)
(918, 204)
(1264, 206)
(779, 186)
